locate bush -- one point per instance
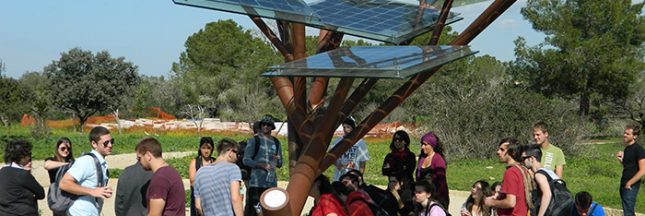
(473, 115)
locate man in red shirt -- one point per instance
(512, 200)
(165, 195)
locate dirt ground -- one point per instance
(123, 160)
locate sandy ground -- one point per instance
(123, 160)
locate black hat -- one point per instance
(268, 119)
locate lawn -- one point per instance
(595, 170)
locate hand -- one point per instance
(628, 186)
(102, 192)
(266, 166)
(464, 212)
(619, 156)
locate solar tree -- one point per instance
(313, 116)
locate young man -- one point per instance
(81, 179)
(531, 159)
(130, 191)
(355, 158)
(585, 206)
(513, 200)
(267, 158)
(217, 186)
(633, 160)
(552, 156)
(165, 194)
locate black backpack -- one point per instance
(383, 198)
(375, 208)
(244, 169)
(60, 201)
(561, 199)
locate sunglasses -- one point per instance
(526, 157)
(108, 142)
(64, 148)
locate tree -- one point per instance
(633, 107)
(86, 83)
(40, 103)
(592, 51)
(15, 100)
(222, 63)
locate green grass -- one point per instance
(595, 170)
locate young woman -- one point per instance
(204, 157)
(20, 190)
(474, 205)
(432, 166)
(62, 156)
(400, 162)
(327, 202)
(426, 202)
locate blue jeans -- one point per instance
(629, 198)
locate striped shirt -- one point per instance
(213, 187)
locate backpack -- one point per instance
(375, 208)
(440, 206)
(561, 199)
(60, 201)
(244, 169)
(383, 199)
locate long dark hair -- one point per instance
(401, 134)
(325, 187)
(70, 156)
(203, 141)
(485, 192)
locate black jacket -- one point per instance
(19, 191)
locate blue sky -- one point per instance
(151, 33)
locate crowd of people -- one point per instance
(417, 184)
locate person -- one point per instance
(165, 194)
(552, 156)
(517, 180)
(400, 162)
(204, 157)
(81, 179)
(404, 198)
(633, 160)
(585, 206)
(427, 205)
(496, 188)
(62, 156)
(531, 159)
(267, 158)
(20, 190)
(217, 186)
(355, 158)
(432, 166)
(326, 200)
(131, 191)
(474, 205)
(358, 200)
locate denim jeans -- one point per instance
(629, 198)
(252, 199)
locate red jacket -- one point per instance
(357, 203)
(328, 204)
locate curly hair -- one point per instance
(17, 150)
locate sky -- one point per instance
(152, 33)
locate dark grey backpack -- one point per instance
(60, 201)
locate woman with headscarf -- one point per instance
(204, 157)
(432, 166)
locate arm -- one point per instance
(249, 151)
(198, 206)
(32, 185)
(192, 170)
(508, 202)
(236, 198)
(362, 166)
(119, 203)
(69, 184)
(543, 184)
(559, 170)
(638, 175)
(386, 169)
(155, 207)
(51, 164)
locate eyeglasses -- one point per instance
(526, 157)
(64, 148)
(108, 142)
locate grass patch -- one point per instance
(594, 170)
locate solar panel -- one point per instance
(383, 20)
(390, 62)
